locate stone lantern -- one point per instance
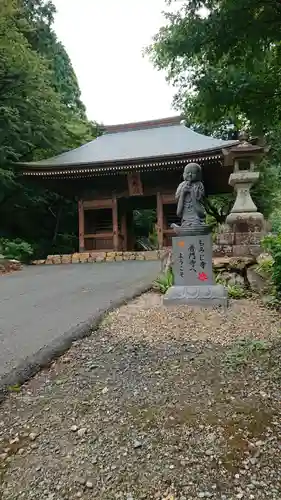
(244, 225)
(244, 216)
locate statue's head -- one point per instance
(192, 172)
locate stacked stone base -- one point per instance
(81, 258)
(225, 245)
(233, 244)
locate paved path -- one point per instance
(41, 305)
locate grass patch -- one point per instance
(244, 350)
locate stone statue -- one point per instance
(189, 196)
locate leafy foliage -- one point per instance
(265, 266)
(16, 249)
(144, 228)
(41, 114)
(272, 244)
(217, 208)
(234, 290)
(225, 60)
(223, 57)
(164, 281)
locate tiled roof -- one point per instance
(137, 141)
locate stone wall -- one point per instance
(84, 257)
(230, 244)
(225, 245)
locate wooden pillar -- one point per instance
(115, 224)
(160, 220)
(130, 230)
(81, 226)
(124, 232)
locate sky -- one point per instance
(105, 40)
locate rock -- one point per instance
(80, 480)
(257, 282)
(209, 453)
(236, 280)
(8, 265)
(105, 390)
(74, 428)
(65, 259)
(56, 259)
(259, 443)
(66, 360)
(240, 263)
(151, 255)
(32, 436)
(89, 485)
(15, 440)
(211, 437)
(81, 432)
(233, 270)
(137, 444)
(83, 257)
(93, 366)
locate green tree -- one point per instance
(31, 113)
(224, 59)
(43, 39)
(41, 114)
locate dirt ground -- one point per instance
(174, 404)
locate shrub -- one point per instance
(235, 291)
(272, 244)
(16, 249)
(164, 281)
(265, 266)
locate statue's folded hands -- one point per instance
(189, 196)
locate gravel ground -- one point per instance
(158, 404)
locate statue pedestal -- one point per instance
(194, 282)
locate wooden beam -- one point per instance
(98, 236)
(95, 204)
(115, 223)
(81, 226)
(168, 199)
(160, 220)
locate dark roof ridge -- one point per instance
(142, 125)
